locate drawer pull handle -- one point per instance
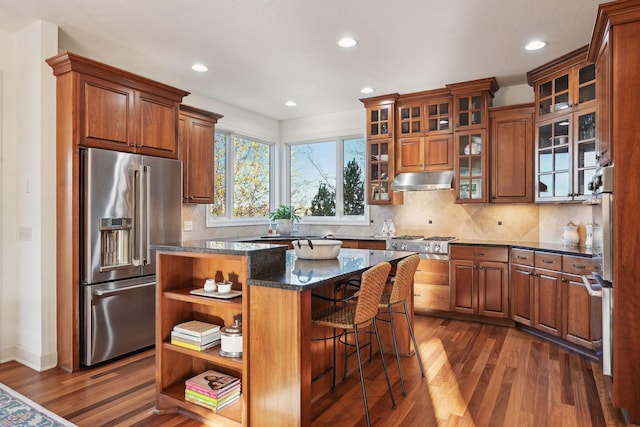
(546, 261)
(522, 257)
(478, 253)
(578, 266)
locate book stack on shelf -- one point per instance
(212, 389)
(196, 335)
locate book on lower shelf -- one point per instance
(196, 328)
(194, 345)
(212, 389)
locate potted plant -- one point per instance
(284, 217)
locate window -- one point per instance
(242, 178)
(327, 179)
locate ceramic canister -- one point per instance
(570, 237)
(231, 340)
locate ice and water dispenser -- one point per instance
(115, 239)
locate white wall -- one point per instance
(8, 236)
(28, 197)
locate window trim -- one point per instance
(280, 166)
(339, 218)
(229, 220)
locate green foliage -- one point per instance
(353, 189)
(324, 202)
(284, 212)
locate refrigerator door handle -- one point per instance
(144, 215)
(100, 293)
(137, 217)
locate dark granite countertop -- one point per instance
(220, 247)
(287, 237)
(303, 274)
(551, 247)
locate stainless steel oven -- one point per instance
(603, 205)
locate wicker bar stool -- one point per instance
(350, 318)
(400, 292)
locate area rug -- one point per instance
(17, 410)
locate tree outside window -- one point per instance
(315, 174)
(250, 184)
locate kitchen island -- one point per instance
(275, 308)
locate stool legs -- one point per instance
(384, 366)
(413, 337)
(395, 343)
(395, 347)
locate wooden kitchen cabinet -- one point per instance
(380, 115)
(178, 273)
(522, 286)
(582, 313)
(511, 143)
(566, 127)
(423, 131)
(604, 91)
(548, 293)
(425, 153)
(115, 116)
(471, 101)
(196, 136)
(471, 166)
(431, 287)
(479, 280)
(381, 150)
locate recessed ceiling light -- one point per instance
(535, 45)
(290, 103)
(347, 42)
(366, 89)
(200, 67)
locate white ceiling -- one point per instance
(261, 53)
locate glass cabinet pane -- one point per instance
(587, 126)
(561, 83)
(545, 90)
(545, 186)
(561, 159)
(545, 161)
(384, 114)
(476, 166)
(562, 184)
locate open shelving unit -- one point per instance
(178, 273)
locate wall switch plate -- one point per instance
(188, 226)
(24, 234)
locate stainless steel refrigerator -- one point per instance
(127, 202)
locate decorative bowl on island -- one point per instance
(316, 249)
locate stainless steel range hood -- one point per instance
(423, 181)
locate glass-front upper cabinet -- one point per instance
(566, 151)
(381, 174)
(564, 86)
(471, 167)
(471, 102)
(380, 115)
(424, 113)
(586, 151)
(553, 160)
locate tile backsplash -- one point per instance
(432, 213)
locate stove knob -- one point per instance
(403, 246)
(436, 247)
(394, 245)
(427, 247)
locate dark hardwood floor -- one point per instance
(477, 375)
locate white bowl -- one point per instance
(319, 249)
(224, 287)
